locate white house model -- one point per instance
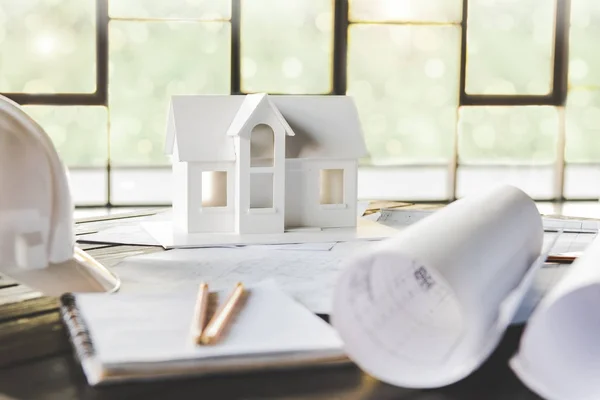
(263, 164)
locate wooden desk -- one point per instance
(59, 377)
(36, 362)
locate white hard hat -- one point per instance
(36, 212)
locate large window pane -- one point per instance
(196, 9)
(47, 46)
(405, 83)
(536, 180)
(88, 186)
(287, 46)
(418, 183)
(508, 134)
(139, 185)
(510, 46)
(584, 59)
(582, 181)
(583, 126)
(406, 10)
(79, 133)
(150, 61)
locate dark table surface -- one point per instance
(60, 377)
(36, 362)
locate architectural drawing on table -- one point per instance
(263, 164)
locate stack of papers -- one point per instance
(306, 273)
(147, 336)
(502, 260)
(308, 276)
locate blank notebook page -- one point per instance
(140, 328)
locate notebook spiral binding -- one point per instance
(78, 332)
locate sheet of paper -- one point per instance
(570, 242)
(512, 304)
(83, 216)
(323, 246)
(571, 225)
(546, 278)
(308, 276)
(137, 236)
(404, 217)
(366, 230)
(559, 354)
(401, 217)
(130, 232)
(146, 328)
(82, 230)
(122, 227)
(427, 307)
(307, 281)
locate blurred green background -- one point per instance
(403, 71)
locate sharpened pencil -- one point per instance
(200, 313)
(222, 317)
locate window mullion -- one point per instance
(340, 47)
(235, 73)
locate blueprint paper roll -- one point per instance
(427, 307)
(559, 354)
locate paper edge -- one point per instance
(159, 229)
(525, 375)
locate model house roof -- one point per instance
(250, 105)
(325, 127)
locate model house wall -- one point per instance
(261, 164)
(321, 193)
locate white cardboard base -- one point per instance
(163, 232)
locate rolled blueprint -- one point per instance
(559, 354)
(427, 307)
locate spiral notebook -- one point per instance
(124, 337)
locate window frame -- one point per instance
(341, 24)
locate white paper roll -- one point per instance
(425, 308)
(559, 354)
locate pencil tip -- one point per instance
(204, 340)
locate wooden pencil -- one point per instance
(200, 313)
(222, 317)
(560, 259)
